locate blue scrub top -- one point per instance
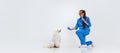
(79, 24)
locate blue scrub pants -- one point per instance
(81, 33)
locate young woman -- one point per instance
(83, 28)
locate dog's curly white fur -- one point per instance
(56, 39)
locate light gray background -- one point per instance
(30, 23)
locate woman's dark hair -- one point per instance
(84, 16)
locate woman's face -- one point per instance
(81, 14)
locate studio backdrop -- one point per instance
(31, 23)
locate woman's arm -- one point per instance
(89, 22)
(74, 28)
(85, 21)
(71, 28)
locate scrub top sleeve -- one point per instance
(76, 26)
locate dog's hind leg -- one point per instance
(57, 44)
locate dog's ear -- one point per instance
(58, 30)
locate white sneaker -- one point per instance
(79, 46)
(83, 46)
(91, 46)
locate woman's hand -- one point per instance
(84, 21)
(70, 28)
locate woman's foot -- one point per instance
(79, 46)
(83, 46)
(91, 46)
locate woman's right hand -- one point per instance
(69, 28)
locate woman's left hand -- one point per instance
(84, 21)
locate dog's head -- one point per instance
(58, 30)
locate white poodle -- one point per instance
(56, 39)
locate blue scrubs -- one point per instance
(82, 33)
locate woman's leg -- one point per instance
(86, 32)
(89, 43)
(80, 34)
